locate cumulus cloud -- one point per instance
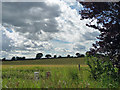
(30, 17)
(78, 47)
(52, 26)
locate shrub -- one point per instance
(102, 69)
(101, 65)
(95, 67)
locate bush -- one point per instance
(102, 69)
(101, 66)
(109, 82)
(96, 67)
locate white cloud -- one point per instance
(71, 29)
(51, 27)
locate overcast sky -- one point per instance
(51, 27)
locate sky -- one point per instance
(50, 27)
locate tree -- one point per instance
(77, 54)
(17, 58)
(59, 56)
(13, 58)
(108, 23)
(39, 55)
(68, 56)
(82, 55)
(23, 58)
(55, 56)
(48, 56)
(3, 59)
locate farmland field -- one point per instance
(58, 61)
(64, 73)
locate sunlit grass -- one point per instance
(61, 77)
(64, 74)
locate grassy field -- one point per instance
(58, 61)
(61, 77)
(64, 74)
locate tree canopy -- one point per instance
(48, 56)
(39, 55)
(107, 15)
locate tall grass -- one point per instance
(61, 77)
(64, 74)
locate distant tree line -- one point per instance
(14, 59)
(47, 56)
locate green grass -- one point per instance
(59, 61)
(61, 77)
(20, 74)
(64, 74)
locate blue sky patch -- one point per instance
(61, 41)
(9, 30)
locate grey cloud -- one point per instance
(30, 17)
(78, 47)
(91, 35)
(6, 43)
(38, 25)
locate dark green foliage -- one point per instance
(23, 58)
(39, 55)
(55, 56)
(68, 56)
(80, 55)
(3, 59)
(108, 23)
(95, 65)
(102, 69)
(59, 56)
(13, 58)
(48, 56)
(19, 58)
(109, 82)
